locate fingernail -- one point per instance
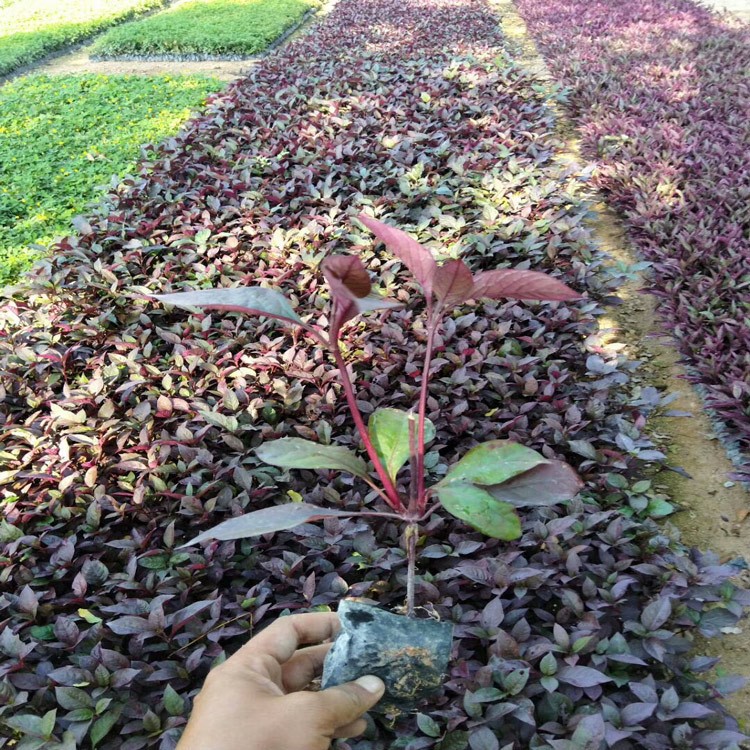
(371, 683)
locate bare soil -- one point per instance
(79, 62)
(714, 512)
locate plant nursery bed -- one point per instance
(130, 428)
(205, 29)
(31, 29)
(62, 136)
(658, 90)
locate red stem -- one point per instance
(413, 484)
(432, 325)
(392, 493)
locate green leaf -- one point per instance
(102, 726)
(296, 453)
(580, 643)
(514, 682)
(659, 508)
(43, 632)
(480, 510)
(28, 724)
(254, 300)
(48, 723)
(228, 423)
(548, 664)
(71, 698)
(173, 702)
(33, 743)
(266, 521)
(494, 462)
(428, 725)
(457, 740)
(80, 714)
(389, 432)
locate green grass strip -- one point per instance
(31, 29)
(233, 28)
(62, 136)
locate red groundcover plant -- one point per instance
(482, 488)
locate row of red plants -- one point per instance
(659, 91)
(128, 429)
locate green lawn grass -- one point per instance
(30, 29)
(62, 136)
(205, 27)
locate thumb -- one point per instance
(345, 703)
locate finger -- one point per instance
(351, 730)
(344, 704)
(281, 639)
(303, 667)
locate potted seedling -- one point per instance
(483, 488)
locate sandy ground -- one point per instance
(79, 62)
(715, 513)
(740, 8)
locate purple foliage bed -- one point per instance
(659, 90)
(127, 430)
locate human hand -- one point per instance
(256, 700)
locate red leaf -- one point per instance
(546, 484)
(514, 284)
(417, 258)
(453, 283)
(347, 277)
(351, 288)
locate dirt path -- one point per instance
(78, 60)
(715, 513)
(739, 8)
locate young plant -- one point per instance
(482, 489)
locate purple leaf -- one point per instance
(583, 677)
(69, 676)
(507, 283)
(635, 713)
(266, 521)
(453, 283)
(483, 738)
(492, 614)
(130, 625)
(589, 733)
(690, 710)
(546, 484)
(656, 613)
(730, 684)
(417, 258)
(718, 739)
(179, 618)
